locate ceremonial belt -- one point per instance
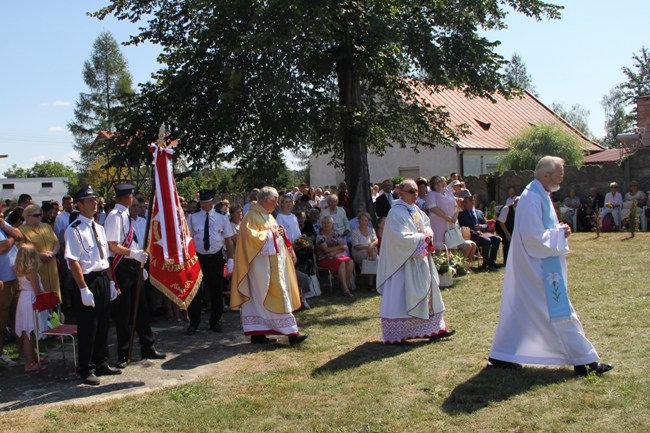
(118, 257)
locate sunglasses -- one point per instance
(36, 215)
(410, 191)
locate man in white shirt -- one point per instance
(211, 232)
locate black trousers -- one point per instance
(213, 281)
(92, 323)
(489, 246)
(126, 274)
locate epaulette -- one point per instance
(75, 224)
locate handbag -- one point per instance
(369, 267)
(314, 285)
(467, 233)
(453, 237)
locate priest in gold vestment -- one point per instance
(264, 283)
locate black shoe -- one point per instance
(494, 264)
(152, 353)
(190, 330)
(107, 370)
(504, 364)
(90, 379)
(121, 363)
(442, 335)
(595, 367)
(297, 339)
(261, 339)
(216, 328)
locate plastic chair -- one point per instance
(48, 301)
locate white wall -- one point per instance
(440, 161)
(35, 187)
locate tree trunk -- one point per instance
(354, 133)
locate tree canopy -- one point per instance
(107, 77)
(329, 76)
(617, 120)
(46, 168)
(518, 76)
(577, 116)
(535, 142)
(638, 78)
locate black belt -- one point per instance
(96, 274)
(212, 254)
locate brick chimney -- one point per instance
(643, 119)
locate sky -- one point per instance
(574, 60)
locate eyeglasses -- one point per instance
(410, 191)
(36, 215)
(613, 187)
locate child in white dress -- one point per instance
(29, 285)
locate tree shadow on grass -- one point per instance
(368, 352)
(492, 385)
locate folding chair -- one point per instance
(319, 270)
(48, 301)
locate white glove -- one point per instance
(145, 274)
(230, 266)
(113, 290)
(139, 255)
(87, 297)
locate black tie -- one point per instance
(206, 230)
(101, 250)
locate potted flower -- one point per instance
(445, 269)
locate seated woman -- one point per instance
(364, 243)
(333, 254)
(633, 194)
(572, 202)
(613, 205)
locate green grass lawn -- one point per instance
(343, 379)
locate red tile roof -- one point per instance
(609, 155)
(491, 124)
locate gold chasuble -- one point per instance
(283, 283)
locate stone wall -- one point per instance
(634, 167)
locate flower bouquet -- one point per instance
(609, 205)
(303, 242)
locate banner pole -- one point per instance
(138, 285)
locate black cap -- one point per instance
(207, 194)
(83, 193)
(122, 190)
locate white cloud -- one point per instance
(55, 129)
(56, 103)
(39, 158)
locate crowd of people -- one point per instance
(90, 253)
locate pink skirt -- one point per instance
(333, 264)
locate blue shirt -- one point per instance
(7, 261)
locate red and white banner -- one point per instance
(174, 266)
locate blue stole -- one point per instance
(557, 300)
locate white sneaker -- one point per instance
(5, 361)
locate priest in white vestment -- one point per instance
(537, 323)
(264, 283)
(407, 279)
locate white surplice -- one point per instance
(411, 304)
(525, 333)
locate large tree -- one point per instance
(617, 121)
(531, 144)
(332, 76)
(518, 76)
(109, 83)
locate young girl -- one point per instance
(29, 285)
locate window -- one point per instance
(8, 186)
(46, 184)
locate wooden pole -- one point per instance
(138, 285)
